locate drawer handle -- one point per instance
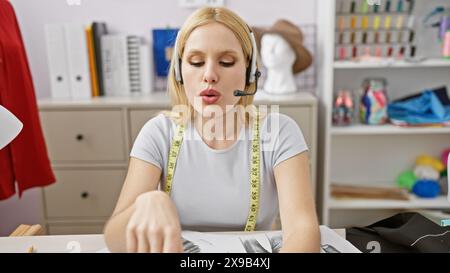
(85, 195)
(79, 137)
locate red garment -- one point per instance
(25, 159)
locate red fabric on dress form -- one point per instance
(25, 159)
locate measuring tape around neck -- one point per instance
(254, 170)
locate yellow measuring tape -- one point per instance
(254, 170)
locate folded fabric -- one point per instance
(403, 232)
(440, 92)
(426, 108)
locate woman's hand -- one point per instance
(154, 225)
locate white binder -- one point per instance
(115, 65)
(57, 61)
(78, 61)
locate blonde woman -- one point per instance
(215, 163)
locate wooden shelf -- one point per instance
(414, 203)
(386, 63)
(388, 129)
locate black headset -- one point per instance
(251, 74)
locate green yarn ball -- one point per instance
(406, 180)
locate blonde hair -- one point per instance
(199, 18)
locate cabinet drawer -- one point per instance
(83, 193)
(84, 135)
(303, 117)
(71, 229)
(138, 118)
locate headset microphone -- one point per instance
(240, 93)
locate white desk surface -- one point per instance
(53, 243)
(65, 243)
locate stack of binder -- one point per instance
(87, 62)
(121, 65)
(68, 62)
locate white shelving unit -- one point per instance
(391, 63)
(362, 129)
(370, 155)
(413, 203)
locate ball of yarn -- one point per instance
(430, 161)
(426, 172)
(406, 180)
(426, 188)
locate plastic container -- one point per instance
(446, 45)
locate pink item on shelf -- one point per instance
(444, 156)
(446, 45)
(378, 51)
(342, 53)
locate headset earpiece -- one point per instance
(177, 62)
(252, 72)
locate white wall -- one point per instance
(134, 17)
(125, 16)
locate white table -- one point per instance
(67, 243)
(54, 243)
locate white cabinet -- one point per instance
(370, 155)
(89, 142)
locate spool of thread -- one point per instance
(400, 37)
(341, 38)
(412, 52)
(376, 22)
(388, 37)
(354, 52)
(389, 52)
(353, 22)
(446, 45)
(399, 6)
(377, 37)
(365, 22)
(364, 7)
(378, 51)
(388, 6)
(341, 23)
(401, 52)
(342, 53)
(411, 36)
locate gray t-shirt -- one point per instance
(211, 188)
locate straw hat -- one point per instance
(294, 36)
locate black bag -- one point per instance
(403, 232)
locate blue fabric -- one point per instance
(426, 108)
(426, 188)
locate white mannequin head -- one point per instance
(278, 57)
